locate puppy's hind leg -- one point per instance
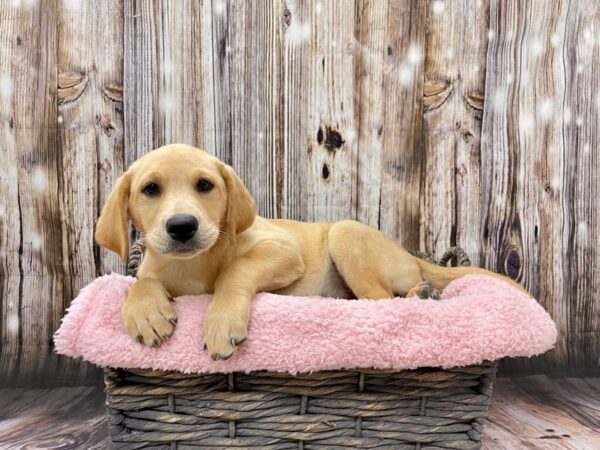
(372, 265)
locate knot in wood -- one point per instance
(334, 140)
(512, 264)
(70, 86)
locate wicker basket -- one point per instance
(423, 409)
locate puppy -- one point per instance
(203, 236)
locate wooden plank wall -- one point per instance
(441, 122)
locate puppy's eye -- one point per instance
(151, 190)
(204, 185)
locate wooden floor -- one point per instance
(534, 412)
(539, 412)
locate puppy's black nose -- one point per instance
(182, 227)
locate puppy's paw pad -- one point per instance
(424, 290)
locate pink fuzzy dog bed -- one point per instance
(479, 318)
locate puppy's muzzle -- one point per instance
(182, 227)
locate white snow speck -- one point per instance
(228, 49)
(582, 230)
(167, 67)
(546, 109)
(491, 34)
(509, 78)
(498, 101)
(39, 180)
(555, 182)
(72, 5)
(500, 200)
(555, 40)
(476, 68)
(298, 32)
(414, 54)
(526, 122)
(586, 148)
(259, 136)
(450, 53)
(579, 68)
(588, 35)
(166, 103)
(36, 241)
(438, 7)
(5, 86)
(318, 7)
(219, 7)
(13, 323)
(579, 121)
(350, 134)
(537, 47)
(405, 74)
(567, 115)
(16, 3)
(13, 173)
(59, 119)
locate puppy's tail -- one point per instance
(441, 276)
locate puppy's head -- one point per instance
(182, 199)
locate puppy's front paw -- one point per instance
(150, 319)
(224, 330)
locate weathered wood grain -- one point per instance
(90, 130)
(457, 36)
(371, 64)
(388, 106)
(140, 78)
(581, 136)
(10, 211)
(543, 413)
(32, 277)
(401, 175)
(90, 136)
(538, 188)
(254, 49)
(216, 78)
(65, 418)
(180, 90)
(438, 122)
(320, 134)
(169, 84)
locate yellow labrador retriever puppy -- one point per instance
(202, 236)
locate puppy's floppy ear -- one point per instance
(111, 228)
(241, 208)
